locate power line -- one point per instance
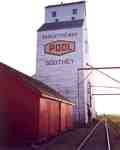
(113, 87)
(105, 74)
(98, 68)
(110, 77)
(102, 94)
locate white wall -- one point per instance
(64, 13)
(61, 76)
(64, 77)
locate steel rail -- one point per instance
(88, 136)
(92, 132)
(108, 137)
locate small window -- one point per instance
(56, 20)
(73, 18)
(74, 11)
(54, 14)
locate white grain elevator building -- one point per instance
(62, 48)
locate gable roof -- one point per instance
(61, 25)
(33, 83)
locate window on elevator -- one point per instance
(74, 11)
(54, 14)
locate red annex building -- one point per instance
(29, 109)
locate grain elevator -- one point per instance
(62, 48)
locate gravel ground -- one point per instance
(15, 148)
(67, 141)
(114, 135)
(98, 140)
(71, 139)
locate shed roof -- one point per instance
(61, 25)
(33, 83)
(65, 4)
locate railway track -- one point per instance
(97, 139)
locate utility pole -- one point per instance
(78, 103)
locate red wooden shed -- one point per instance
(29, 109)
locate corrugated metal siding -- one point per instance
(49, 118)
(25, 115)
(66, 116)
(69, 116)
(19, 107)
(53, 118)
(43, 119)
(63, 117)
